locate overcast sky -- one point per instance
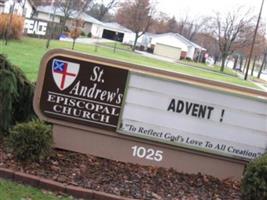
(196, 8)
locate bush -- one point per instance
(16, 26)
(254, 182)
(82, 33)
(89, 35)
(16, 94)
(30, 141)
(188, 59)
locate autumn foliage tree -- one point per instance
(76, 30)
(137, 16)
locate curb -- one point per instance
(54, 186)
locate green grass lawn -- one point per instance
(214, 68)
(28, 52)
(14, 191)
(117, 46)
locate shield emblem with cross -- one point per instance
(64, 73)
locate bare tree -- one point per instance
(159, 23)
(229, 31)
(71, 7)
(189, 27)
(39, 2)
(100, 10)
(263, 60)
(137, 16)
(207, 41)
(242, 46)
(172, 25)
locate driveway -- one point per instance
(86, 40)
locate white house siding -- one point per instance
(27, 11)
(47, 17)
(97, 31)
(128, 38)
(17, 7)
(191, 52)
(87, 28)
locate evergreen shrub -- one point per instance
(16, 94)
(30, 141)
(254, 182)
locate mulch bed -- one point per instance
(124, 179)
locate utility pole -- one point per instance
(253, 42)
(52, 25)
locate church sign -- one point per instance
(137, 114)
(83, 92)
(195, 118)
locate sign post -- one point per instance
(143, 115)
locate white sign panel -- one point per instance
(193, 117)
(35, 27)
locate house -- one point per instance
(51, 13)
(175, 46)
(48, 13)
(167, 42)
(143, 42)
(24, 8)
(111, 31)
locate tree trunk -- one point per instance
(241, 63)
(63, 22)
(215, 59)
(223, 63)
(262, 65)
(73, 43)
(245, 65)
(253, 67)
(135, 41)
(51, 29)
(235, 63)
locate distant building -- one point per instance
(111, 31)
(23, 8)
(47, 13)
(174, 45)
